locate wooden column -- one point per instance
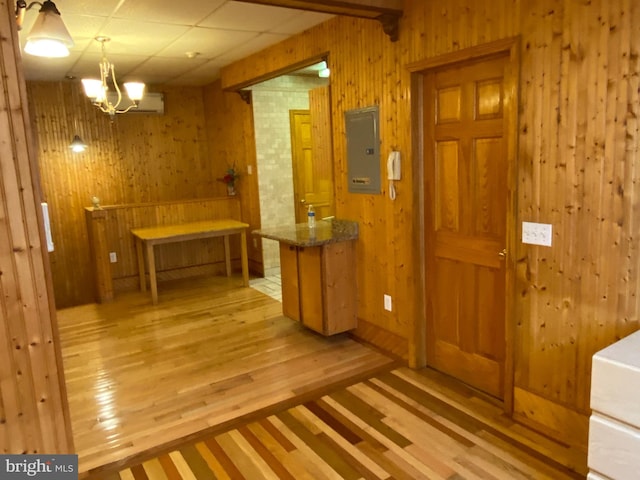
(97, 231)
(34, 414)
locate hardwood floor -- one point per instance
(214, 383)
(401, 424)
(141, 377)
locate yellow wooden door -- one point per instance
(466, 193)
(311, 157)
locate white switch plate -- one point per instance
(536, 233)
(113, 258)
(387, 302)
(249, 169)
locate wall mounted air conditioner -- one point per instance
(151, 103)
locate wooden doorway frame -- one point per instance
(511, 46)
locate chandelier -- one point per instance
(98, 90)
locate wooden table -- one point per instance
(152, 236)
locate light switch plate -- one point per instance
(536, 233)
(387, 302)
(113, 257)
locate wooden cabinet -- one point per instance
(319, 285)
(614, 426)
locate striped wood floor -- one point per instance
(401, 424)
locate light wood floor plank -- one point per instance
(339, 436)
(222, 386)
(215, 466)
(210, 353)
(154, 469)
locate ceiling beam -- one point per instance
(387, 12)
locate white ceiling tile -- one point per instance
(83, 29)
(142, 38)
(169, 11)
(49, 69)
(248, 17)
(301, 22)
(165, 66)
(149, 38)
(87, 66)
(86, 7)
(200, 76)
(258, 43)
(208, 42)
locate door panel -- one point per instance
(311, 149)
(466, 169)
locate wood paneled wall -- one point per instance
(112, 233)
(137, 158)
(229, 125)
(577, 169)
(34, 415)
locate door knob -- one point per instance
(503, 253)
(302, 200)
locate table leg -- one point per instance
(151, 261)
(244, 258)
(140, 255)
(227, 255)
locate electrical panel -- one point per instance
(363, 150)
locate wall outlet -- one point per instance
(387, 302)
(113, 258)
(536, 233)
(249, 169)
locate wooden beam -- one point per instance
(387, 12)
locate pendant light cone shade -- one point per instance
(49, 37)
(77, 145)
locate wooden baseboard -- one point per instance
(125, 284)
(385, 340)
(550, 418)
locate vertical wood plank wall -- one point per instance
(137, 158)
(229, 125)
(34, 416)
(173, 260)
(577, 169)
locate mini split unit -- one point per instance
(151, 103)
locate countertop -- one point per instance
(300, 235)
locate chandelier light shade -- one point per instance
(49, 36)
(98, 90)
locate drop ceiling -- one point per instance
(152, 40)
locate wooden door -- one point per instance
(466, 190)
(302, 161)
(312, 173)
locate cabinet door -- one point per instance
(340, 292)
(311, 292)
(290, 285)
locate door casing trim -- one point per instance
(417, 337)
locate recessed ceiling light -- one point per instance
(192, 54)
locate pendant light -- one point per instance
(77, 145)
(49, 36)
